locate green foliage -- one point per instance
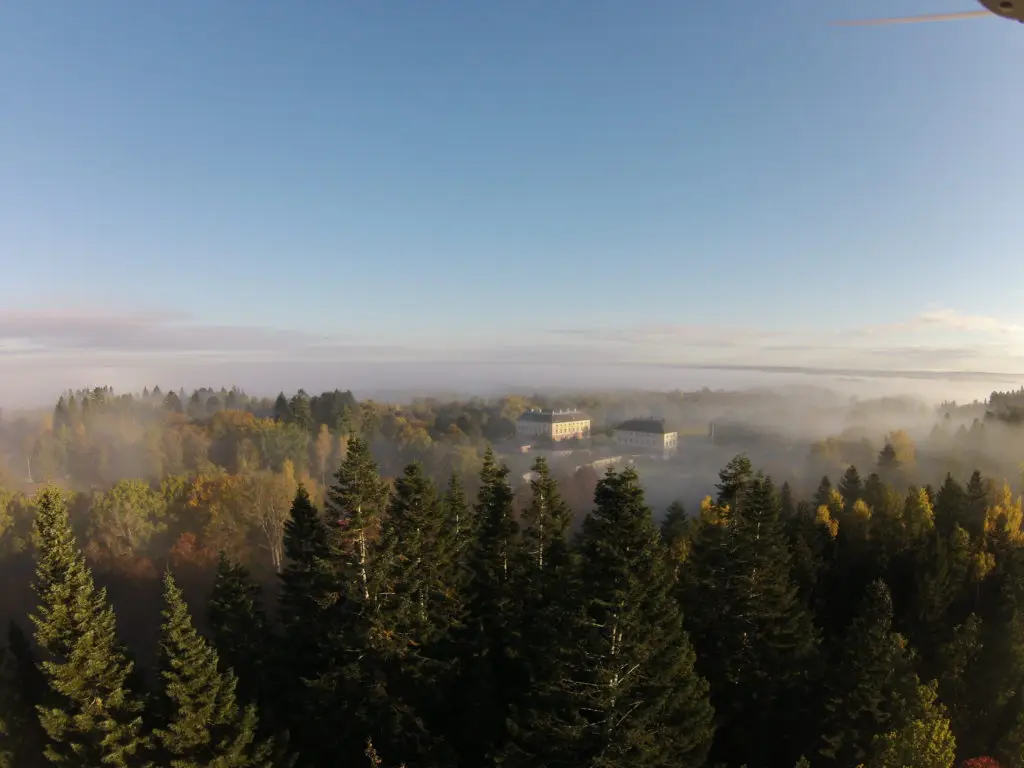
(200, 722)
(675, 525)
(874, 689)
(460, 523)
(306, 594)
(543, 726)
(824, 492)
(458, 631)
(240, 632)
(924, 742)
(349, 686)
(355, 505)
(851, 488)
(411, 614)
(638, 688)
(300, 412)
(733, 481)
(756, 640)
(887, 458)
(950, 506)
(21, 688)
(90, 717)
(491, 679)
(125, 518)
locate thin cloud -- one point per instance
(686, 335)
(948, 320)
(44, 352)
(149, 333)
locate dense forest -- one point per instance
(219, 580)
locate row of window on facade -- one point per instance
(567, 430)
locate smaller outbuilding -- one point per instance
(651, 435)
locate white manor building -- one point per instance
(553, 425)
(646, 435)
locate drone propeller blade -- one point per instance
(916, 19)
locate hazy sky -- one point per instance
(255, 192)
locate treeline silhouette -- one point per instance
(866, 625)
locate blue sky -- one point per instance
(240, 189)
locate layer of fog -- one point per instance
(797, 434)
(774, 418)
(38, 386)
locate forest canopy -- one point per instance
(216, 579)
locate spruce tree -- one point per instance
(823, 495)
(240, 630)
(355, 506)
(676, 535)
(812, 535)
(873, 689)
(851, 488)
(950, 506)
(411, 570)
(675, 524)
(90, 716)
(345, 690)
(21, 688)
(756, 641)
(411, 617)
(961, 665)
(452, 649)
(299, 412)
(995, 681)
(635, 677)
(940, 592)
(60, 416)
(787, 504)
(887, 459)
(733, 481)
(543, 727)
(460, 527)
(546, 523)
(282, 408)
(978, 495)
(307, 591)
(201, 724)
(491, 679)
(455, 542)
(700, 576)
(874, 491)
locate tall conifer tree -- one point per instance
(240, 630)
(733, 481)
(21, 688)
(851, 487)
(874, 688)
(91, 718)
(346, 690)
(491, 678)
(635, 673)
(823, 494)
(411, 619)
(755, 639)
(307, 592)
(201, 724)
(544, 725)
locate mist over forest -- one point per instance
(871, 516)
(797, 431)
